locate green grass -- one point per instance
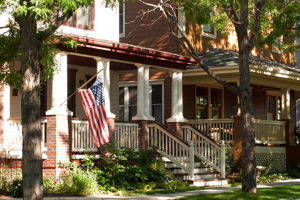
(280, 192)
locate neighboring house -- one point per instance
(274, 80)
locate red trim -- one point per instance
(130, 53)
(1, 110)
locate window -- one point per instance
(208, 30)
(208, 106)
(273, 105)
(181, 20)
(84, 18)
(276, 45)
(128, 102)
(122, 19)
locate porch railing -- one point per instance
(82, 139)
(271, 132)
(217, 129)
(14, 137)
(206, 148)
(173, 148)
(127, 135)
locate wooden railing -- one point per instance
(82, 139)
(272, 132)
(217, 129)
(206, 148)
(14, 137)
(127, 135)
(175, 149)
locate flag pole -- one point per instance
(82, 86)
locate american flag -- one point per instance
(93, 103)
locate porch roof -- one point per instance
(221, 58)
(129, 54)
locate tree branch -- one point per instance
(189, 48)
(232, 16)
(256, 25)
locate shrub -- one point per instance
(126, 169)
(77, 181)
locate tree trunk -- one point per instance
(247, 118)
(30, 105)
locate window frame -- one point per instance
(122, 33)
(126, 86)
(72, 22)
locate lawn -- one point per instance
(279, 192)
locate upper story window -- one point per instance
(208, 30)
(122, 19)
(84, 18)
(276, 45)
(181, 20)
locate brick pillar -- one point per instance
(143, 134)
(175, 127)
(111, 128)
(238, 139)
(59, 138)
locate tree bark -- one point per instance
(245, 94)
(30, 105)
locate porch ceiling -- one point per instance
(129, 54)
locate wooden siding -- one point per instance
(203, 44)
(230, 104)
(141, 33)
(189, 104)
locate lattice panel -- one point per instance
(277, 160)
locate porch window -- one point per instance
(84, 18)
(274, 106)
(128, 102)
(208, 103)
(201, 103)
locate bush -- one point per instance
(270, 178)
(77, 181)
(127, 170)
(15, 188)
(11, 187)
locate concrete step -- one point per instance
(196, 170)
(199, 176)
(209, 182)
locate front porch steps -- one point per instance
(203, 176)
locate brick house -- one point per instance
(156, 96)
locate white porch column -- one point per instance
(140, 115)
(177, 99)
(286, 103)
(105, 65)
(60, 87)
(147, 94)
(5, 115)
(180, 98)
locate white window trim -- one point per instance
(213, 36)
(134, 83)
(280, 51)
(181, 21)
(123, 32)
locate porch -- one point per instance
(202, 138)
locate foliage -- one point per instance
(77, 181)
(128, 170)
(11, 187)
(295, 173)
(230, 164)
(48, 184)
(270, 178)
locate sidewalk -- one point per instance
(213, 190)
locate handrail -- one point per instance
(217, 129)
(267, 131)
(206, 148)
(175, 149)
